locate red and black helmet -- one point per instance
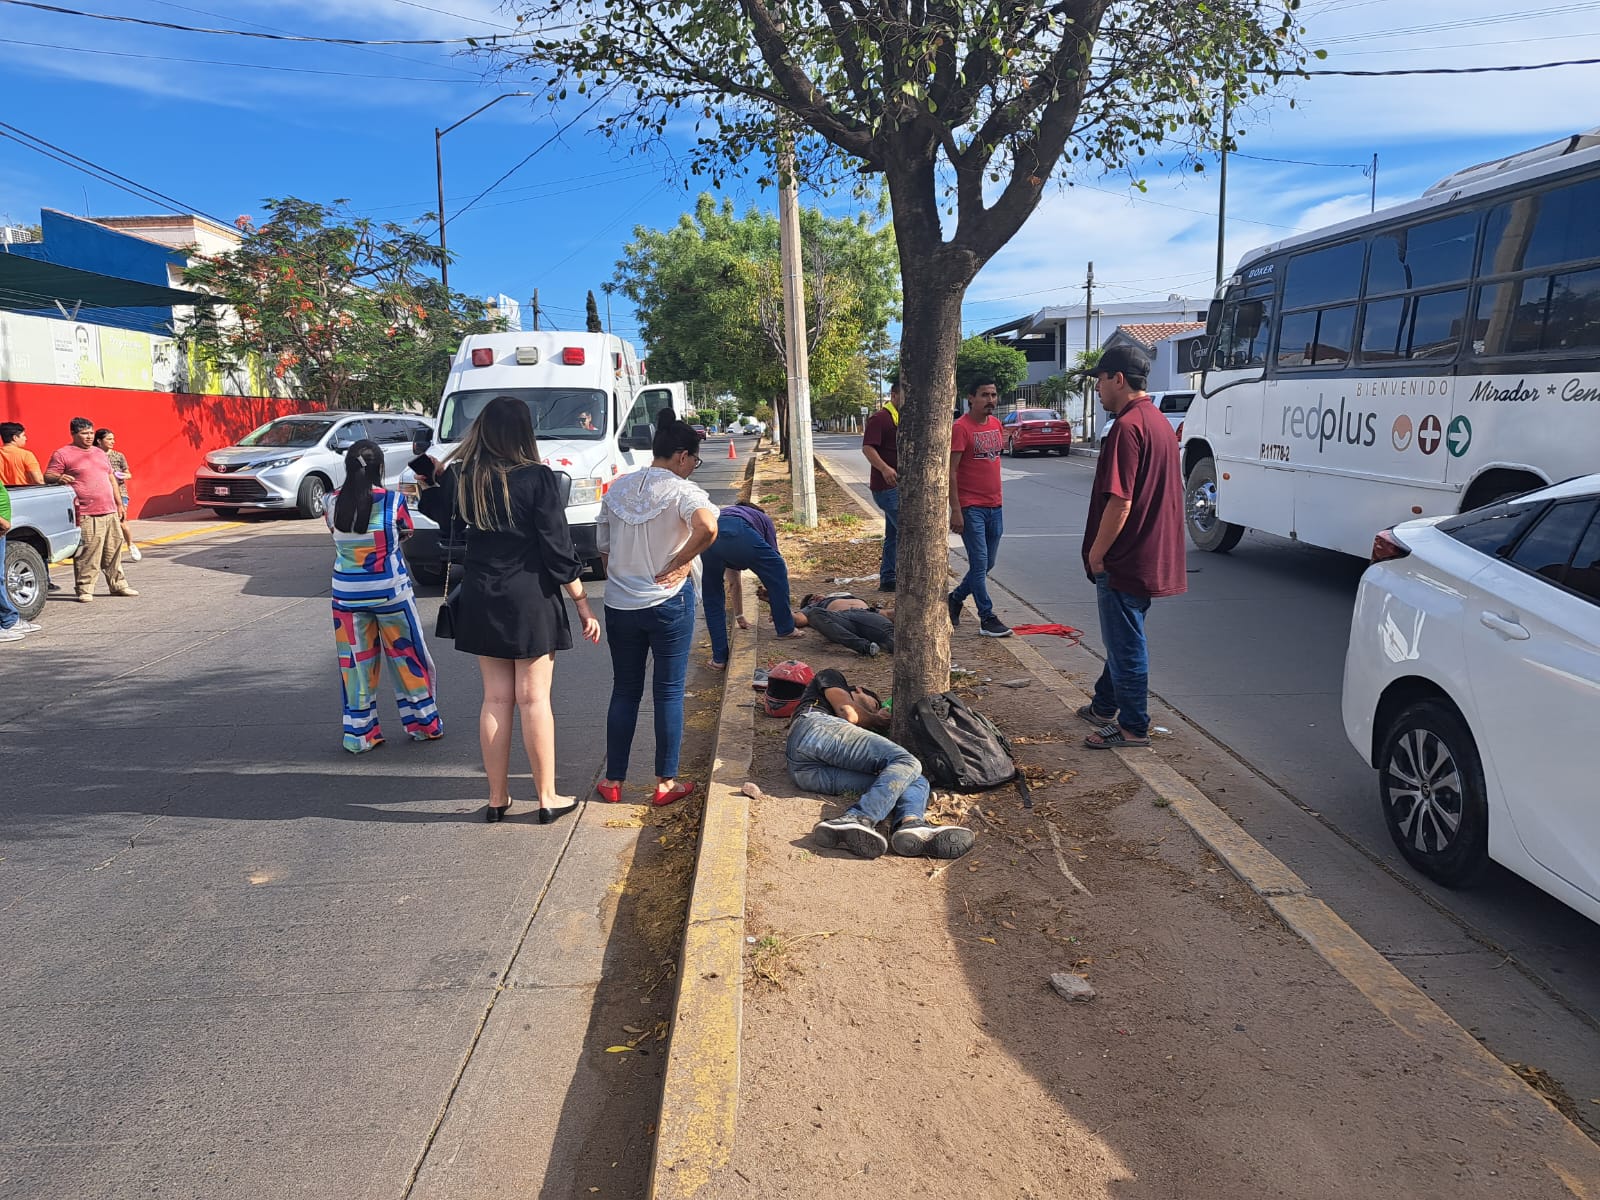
(786, 683)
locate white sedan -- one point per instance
(1472, 685)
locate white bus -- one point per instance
(1425, 360)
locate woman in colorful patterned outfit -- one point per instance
(373, 614)
(509, 612)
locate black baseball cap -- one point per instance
(1129, 361)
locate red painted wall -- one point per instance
(164, 434)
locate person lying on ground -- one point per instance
(746, 540)
(836, 745)
(849, 621)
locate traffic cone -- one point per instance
(731, 453)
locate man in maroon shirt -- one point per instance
(877, 445)
(97, 501)
(1132, 544)
(975, 442)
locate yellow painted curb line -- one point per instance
(189, 533)
(1388, 990)
(700, 1091)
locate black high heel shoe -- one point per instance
(493, 814)
(549, 816)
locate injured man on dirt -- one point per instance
(837, 745)
(850, 621)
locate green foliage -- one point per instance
(978, 357)
(337, 306)
(854, 392)
(763, 412)
(1058, 389)
(592, 316)
(709, 295)
(1000, 91)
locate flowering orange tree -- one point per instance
(341, 309)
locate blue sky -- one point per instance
(322, 122)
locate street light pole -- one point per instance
(438, 170)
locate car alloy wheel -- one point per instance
(1431, 783)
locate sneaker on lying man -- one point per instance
(855, 833)
(918, 839)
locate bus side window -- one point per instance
(1243, 334)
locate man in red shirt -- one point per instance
(1132, 544)
(877, 445)
(98, 502)
(975, 442)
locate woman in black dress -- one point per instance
(509, 613)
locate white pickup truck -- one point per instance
(43, 530)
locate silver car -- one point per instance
(294, 462)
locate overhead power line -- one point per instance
(1544, 66)
(528, 157)
(270, 37)
(104, 174)
(213, 62)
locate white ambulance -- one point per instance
(592, 412)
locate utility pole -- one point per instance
(802, 472)
(438, 171)
(1088, 308)
(1373, 207)
(536, 310)
(1222, 191)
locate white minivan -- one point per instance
(592, 412)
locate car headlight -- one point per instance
(586, 491)
(274, 464)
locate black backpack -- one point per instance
(961, 749)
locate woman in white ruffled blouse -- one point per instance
(653, 525)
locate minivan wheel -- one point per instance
(27, 581)
(1206, 530)
(313, 495)
(1430, 780)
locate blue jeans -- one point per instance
(980, 534)
(9, 615)
(889, 502)
(830, 755)
(664, 631)
(739, 546)
(1124, 686)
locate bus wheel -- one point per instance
(1206, 530)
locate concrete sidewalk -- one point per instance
(859, 1062)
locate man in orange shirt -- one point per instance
(18, 466)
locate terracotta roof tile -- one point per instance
(1148, 335)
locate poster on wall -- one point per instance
(77, 351)
(125, 359)
(26, 352)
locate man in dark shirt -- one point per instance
(848, 620)
(1132, 544)
(746, 540)
(877, 444)
(832, 749)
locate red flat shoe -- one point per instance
(610, 793)
(661, 799)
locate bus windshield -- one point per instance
(571, 414)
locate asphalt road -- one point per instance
(1253, 657)
(239, 961)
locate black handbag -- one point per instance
(445, 626)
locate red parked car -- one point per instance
(1041, 429)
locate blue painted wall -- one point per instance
(70, 241)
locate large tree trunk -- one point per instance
(934, 284)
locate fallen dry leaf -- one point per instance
(618, 1049)
(991, 941)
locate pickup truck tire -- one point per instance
(313, 495)
(27, 582)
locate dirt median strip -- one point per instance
(1388, 990)
(700, 1091)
